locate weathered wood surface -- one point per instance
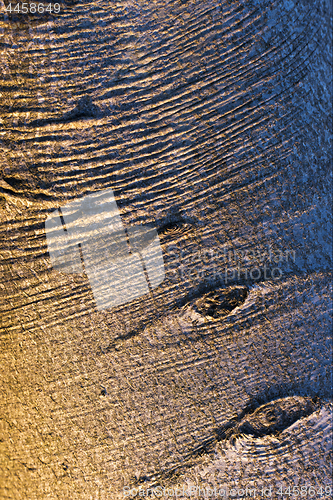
(210, 122)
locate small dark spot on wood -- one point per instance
(141, 479)
(220, 302)
(275, 416)
(85, 108)
(14, 182)
(174, 229)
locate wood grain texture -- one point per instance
(210, 122)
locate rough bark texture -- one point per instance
(211, 122)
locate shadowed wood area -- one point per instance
(210, 123)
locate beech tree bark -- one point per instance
(210, 121)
